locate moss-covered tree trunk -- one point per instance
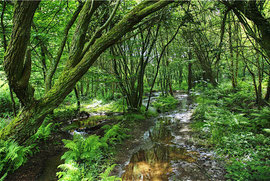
(17, 60)
(18, 68)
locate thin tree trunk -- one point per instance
(267, 95)
(5, 48)
(78, 99)
(189, 77)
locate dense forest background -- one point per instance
(59, 57)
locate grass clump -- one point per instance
(164, 104)
(65, 112)
(133, 117)
(91, 121)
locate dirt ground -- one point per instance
(33, 169)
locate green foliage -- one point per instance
(237, 135)
(105, 175)
(240, 99)
(152, 112)
(87, 158)
(84, 150)
(101, 105)
(43, 131)
(93, 120)
(12, 156)
(84, 155)
(132, 117)
(64, 112)
(262, 117)
(5, 100)
(165, 104)
(114, 134)
(253, 169)
(6, 104)
(73, 172)
(4, 121)
(266, 130)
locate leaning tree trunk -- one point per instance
(18, 70)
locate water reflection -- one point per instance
(161, 133)
(155, 163)
(168, 151)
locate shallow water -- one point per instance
(168, 151)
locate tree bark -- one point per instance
(78, 99)
(189, 72)
(267, 95)
(17, 63)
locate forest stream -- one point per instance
(163, 148)
(167, 150)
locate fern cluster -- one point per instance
(44, 131)
(12, 156)
(87, 158)
(115, 134)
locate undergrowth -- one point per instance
(104, 106)
(5, 100)
(90, 158)
(229, 121)
(12, 156)
(164, 104)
